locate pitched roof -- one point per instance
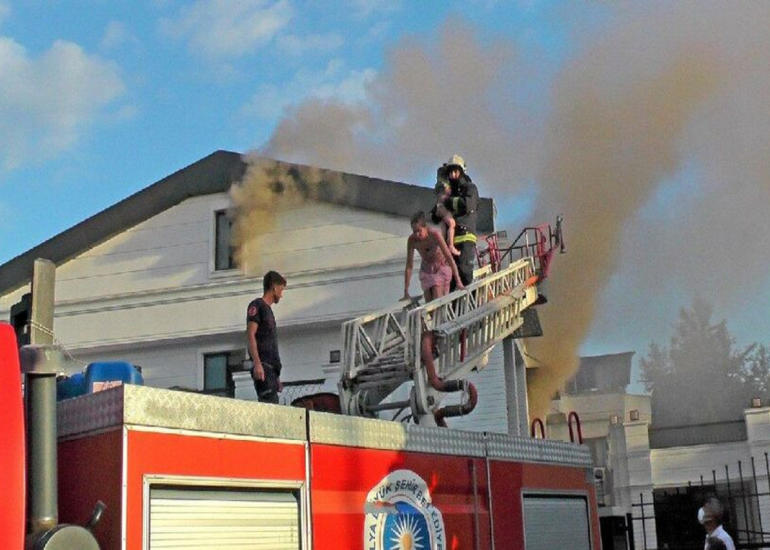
(215, 174)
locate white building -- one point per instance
(664, 473)
(149, 280)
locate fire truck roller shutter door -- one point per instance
(556, 521)
(187, 517)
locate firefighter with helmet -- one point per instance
(462, 203)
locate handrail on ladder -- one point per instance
(539, 242)
(537, 422)
(574, 416)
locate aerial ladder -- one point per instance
(437, 344)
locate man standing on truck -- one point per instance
(462, 203)
(262, 340)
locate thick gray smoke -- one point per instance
(433, 98)
(671, 107)
(267, 189)
(671, 100)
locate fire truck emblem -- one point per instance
(400, 515)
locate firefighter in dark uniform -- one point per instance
(463, 204)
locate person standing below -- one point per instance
(262, 340)
(436, 268)
(710, 516)
(462, 203)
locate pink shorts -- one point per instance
(435, 275)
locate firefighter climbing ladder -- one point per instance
(382, 350)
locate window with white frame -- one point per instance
(218, 371)
(223, 248)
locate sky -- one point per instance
(100, 99)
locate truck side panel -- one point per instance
(92, 467)
(343, 477)
(191, 456)
(511, 480)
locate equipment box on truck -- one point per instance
(182, 470)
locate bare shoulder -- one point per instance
(434, 234)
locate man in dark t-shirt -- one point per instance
(262, 340)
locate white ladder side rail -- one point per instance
(455, 305)
(365, 337)
(500, 319)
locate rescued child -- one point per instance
(443, 190)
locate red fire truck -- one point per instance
(183, 470)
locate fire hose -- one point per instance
(446, 386)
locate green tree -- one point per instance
(702, 377)
(756, 373)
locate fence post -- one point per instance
(756, 495)
(630, 542)
(644, 527)
(749, 530)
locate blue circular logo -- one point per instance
(400, 515)
(407, 529)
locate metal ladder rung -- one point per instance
(396, 367)
(393, 383)
(391, 344)
(385, 364)
(399, 377)
(487, 310)
(395, 354)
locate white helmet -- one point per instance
(456, 160)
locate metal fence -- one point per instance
(299, 388)
(743, 490)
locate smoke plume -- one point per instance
(433, 98)
(607, 155)
(267, 189)
(666, 105)
(679, 88)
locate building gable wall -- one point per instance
(156, 281)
